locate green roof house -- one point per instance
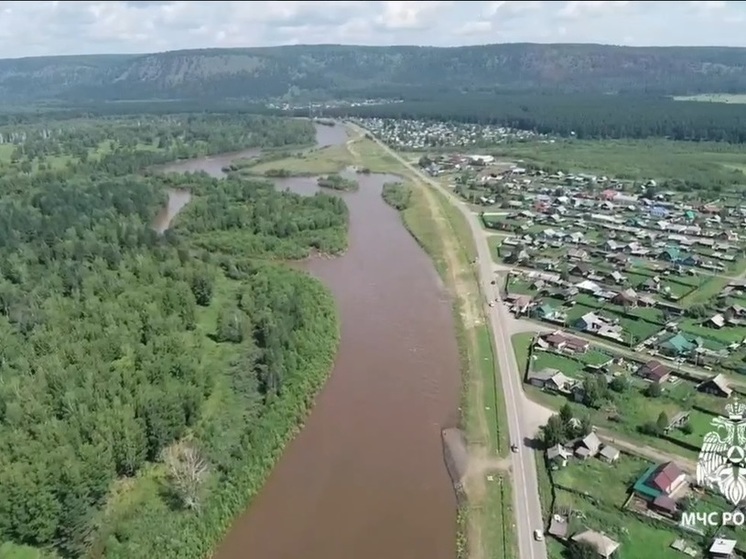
(671, 254)
(676, 345)
(545, 311)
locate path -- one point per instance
(523, 465)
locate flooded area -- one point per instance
(366, 478)
(177, 199)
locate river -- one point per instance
(365, 478)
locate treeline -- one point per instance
(120, 145)
(148, 384)
(583, 116)
(250, 219)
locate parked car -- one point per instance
(538, 535)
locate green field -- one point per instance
(595, 492)
(736, 99)
(703, 163)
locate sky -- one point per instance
(47, 28)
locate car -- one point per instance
(493, 282)
(514, 447)
(538, 535)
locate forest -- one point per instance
(584, 116)
(296, 72)
(149, 382)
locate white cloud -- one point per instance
(43, 28)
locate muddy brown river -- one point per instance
(365, 478)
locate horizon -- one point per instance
(353, 45)
(37, 29)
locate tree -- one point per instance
(554, 431)
(619, 384)
(202, 287)
(581, 550)
(653, 390)
(662, 422)
(595, 390)
(187, 472)
(230, 325)
(565, 413)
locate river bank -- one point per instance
(365, 477)
(486, 523)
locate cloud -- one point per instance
(46, 28)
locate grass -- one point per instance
(707, 290)
(331, 159)
(737, 98)
(494, 242)
(492, 399)
(549, 360)
(127, 495)
(632, 406)
(637, 160)
(498, 517)
(602, 481)
(595, 491)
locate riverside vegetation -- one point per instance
(150, 382)
(337, 182)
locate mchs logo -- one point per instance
(722, 466)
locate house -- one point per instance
(626, 298)
(717, 386)
(559, 527)
(519, 304)
(715, 321)
(577, 253)
(595, 324)
(551, 379)
(663, 504)
(605, 546)
(587, 286)
(665, 479)
(546, 312)
(654, 371)
(559, 341)
(588, 446)
(581, 269)
(611, 246)
(609, 454)
(676, 346)
(617, 277)
(590, 322)
(722, 549)
(678, 420)
(557, 456)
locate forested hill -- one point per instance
(322, 70)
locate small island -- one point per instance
(337, 182)
(277, 173)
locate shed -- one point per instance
(722, 548)
(609, 454)
(604, 545)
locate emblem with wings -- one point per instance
(722, 460)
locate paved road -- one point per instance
(522, 413)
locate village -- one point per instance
(412, 135)
(638, 297)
